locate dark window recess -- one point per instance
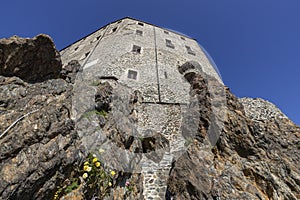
(84, 56)
(169, 44)
(182, 38)
(114, 29)
(119, 21)
(166, 32)
(97, 38)
(76, 49)
(166, 75)
(140, 23)
(132, 74)
(108, 78)
(136, 49)
(139, 32)
(189, 50)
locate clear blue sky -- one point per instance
(255, 43)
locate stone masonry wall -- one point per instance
(261, 110)
(107, 53)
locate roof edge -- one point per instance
(127, 17)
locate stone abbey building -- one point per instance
(137, 56)
(143, 56)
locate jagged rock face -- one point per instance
(69, 71)
(37, 148)
(32, 60)
(253, 159)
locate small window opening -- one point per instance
(169, 44)
(132, 74)
(166, 75)
(189, 50)
(140, 23)
(139, 32)
(166, 32)
(136, 49)
(114, 29)
(119, 21)
(182, 38)
(76, 49)
(84, 56)
(96, 38)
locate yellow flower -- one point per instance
(109, 184)
(85, 175)
(86, 163)
(113, 173)
(95, 160)
(97, 164)
(87, 168)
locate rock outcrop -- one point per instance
(69, 71)
(33, 60)
(257, 156)
(38, 146)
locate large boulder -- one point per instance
(32, 60)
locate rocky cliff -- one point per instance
(43, 153)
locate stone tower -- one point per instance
(154, 61)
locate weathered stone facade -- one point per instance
(261, 110)
(158, 63)
(143, 56)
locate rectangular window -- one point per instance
(132, 74)
(189, 50)
(136, 49)
(140, 23)
(139, 32)
(169, 44)
(166, 32)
